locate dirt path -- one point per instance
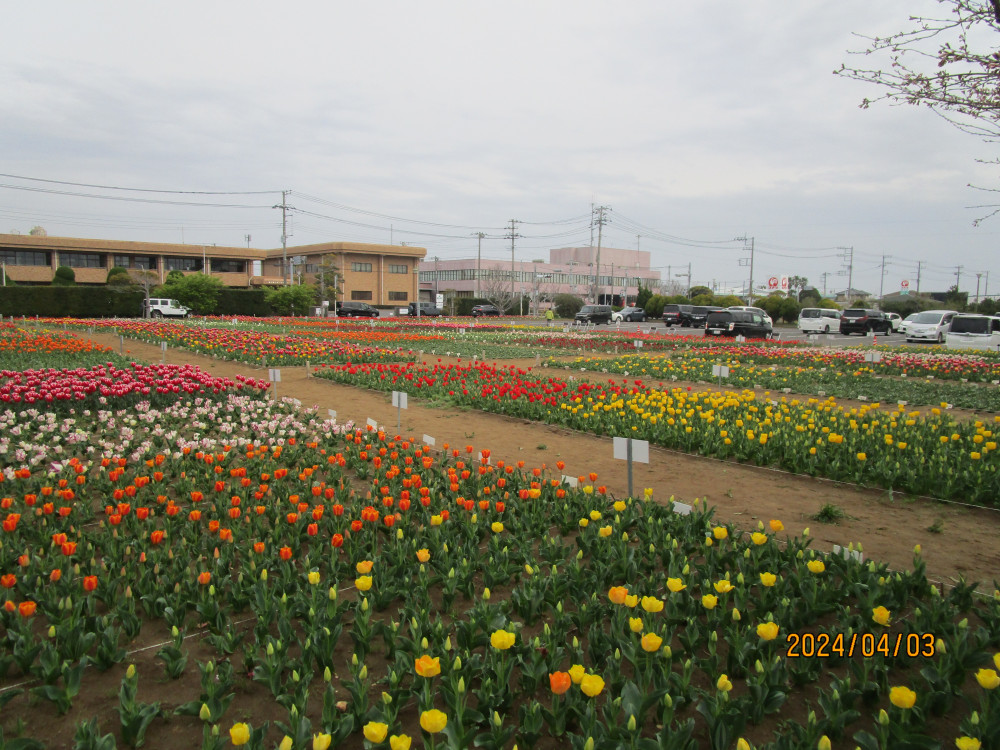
(965, 543)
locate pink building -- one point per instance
(569, 270)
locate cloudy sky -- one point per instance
(427, 122)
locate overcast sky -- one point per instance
(695, 123)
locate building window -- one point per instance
(142, 262)
(361, 296)
(25, 258)
(398, 268)
(82, 260)
(398, 296)
(427, 276)
(182, 264)
(220, 265)
(362, 268)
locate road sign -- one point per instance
(772, 283)
(904, 284)
(784, 283)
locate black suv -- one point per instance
(485, 310)
(427, 310)
(356, 310)
(676, 315)
(862, 320)
(751, 325)
(594, 314)
(699, 314)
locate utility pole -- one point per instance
(285, 208)
(744, 240)
(978, 276)
(479, 260)
(247, 238)
(512, 236)
(919, 264)
(881, 285)
(597, 272)
(848, 255)
(824, 275)
(958, 276)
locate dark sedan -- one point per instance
(482, 310)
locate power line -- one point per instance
(128, 200)
(142, 190)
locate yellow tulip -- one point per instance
(363, 583)
(708, 601)
(605, 531)
(881, 615)
(902, 697)
(768, 579)
(428, 666)
(652, 604)
(635, 624)
(364, 567)
(720, 532)
(423, 555)
(400, 742)
(287, 743)
(816, 566)
(239, 734)
(724, 684)
(758, 538)
(592, 684)
(968, 743)
(322, 741)
(433, 721)
(767, 631)
(988, 679)
(576, 673)
(723, 586)
(313, 577)
(496, 527)
(375, 731)
(675, 584)
(651, 642)
(502, 640)
(631, 600)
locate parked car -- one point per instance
(629, 314)
(699, 314)
(906, 322)
(818, 320)
(676, 315)
(744, 308)
(895, 320)
(595, 314)
(167, 308)
(862, 320)
(974, 332)
(356, 310)
(427, 310)
(930, 325)
(746, 323)
(479, 310)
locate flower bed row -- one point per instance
(379, 594)
(864, 381)
(934, 455)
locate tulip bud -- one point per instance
(631, 723)
(52, 631)
(295, 675)
(883, 717)
(399, 533)
(824, 743)
(713, 637)
(386, 698)
(746, 554)
(497, 721)
(740, 579)
(486, 594)
(686, 569)
(457, 664)
(294, 711)
(331, 594)
(211, 590)
(130, 672)
(327, 674)
(576, 642)
(939, 647)
(424, 643)
(974, 719)
(461, 685)
(736, 615)
(270, 649)
(215, 730)
(447, 643)
(668, 701)
(811, 718)
(364, 604)
(263, 574)
(205, 714)
(668, 652)
(963, 623)
(589, 744)
(363, 674)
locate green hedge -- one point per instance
(71, 301)
(243, 302)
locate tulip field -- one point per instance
(187, 562)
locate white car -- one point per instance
(974, 332)
(818, 320)
(930, 326)
(906, 322)
(895, 320)
(744, 308)
(167, 308)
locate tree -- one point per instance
(65, 276)
(198, 291)
(567, 305)
(730, 300)
(703, 299)
(495, 287)
(699, 291)
(328, 280)
(119, 276)
(294, 299)
(946, 64)
(174, 275)
(796, 284)
(38, 232)
(644, 295)
(654, 306)
(789, 309)
(810, 297)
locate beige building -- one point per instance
(382, 275)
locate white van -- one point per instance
(974, 332)
(929, 325)
(818, 320)
(167, 308)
